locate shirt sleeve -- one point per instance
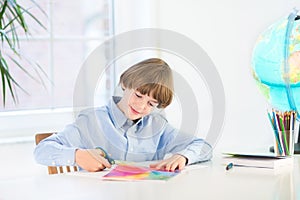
(59, 148)
(193, 148)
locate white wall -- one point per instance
(227, 30)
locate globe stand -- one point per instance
(297, 145)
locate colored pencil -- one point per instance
(275, 133)
(283, 124)
(284, 136)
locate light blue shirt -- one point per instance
(150, 138)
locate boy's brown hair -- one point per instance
(152, 77)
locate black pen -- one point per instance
(229, 166)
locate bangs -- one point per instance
(159, 92)
(152, 77)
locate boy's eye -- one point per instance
(138, 95)
(153, 104)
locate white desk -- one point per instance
(212, 182)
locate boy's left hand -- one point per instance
(175, 162)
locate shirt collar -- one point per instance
(117, 115)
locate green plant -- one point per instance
(12, 22)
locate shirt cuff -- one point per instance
(67, 159)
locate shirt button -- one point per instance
(68, 161)
(53, 163)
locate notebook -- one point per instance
(269, 161)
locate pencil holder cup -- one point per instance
(284, 142)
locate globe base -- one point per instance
(296, 148)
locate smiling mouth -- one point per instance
(134, 111)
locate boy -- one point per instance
(127, 128)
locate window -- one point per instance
(74, 29)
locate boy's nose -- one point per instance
(142, 104)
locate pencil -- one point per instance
(275, 133)
(284, 136)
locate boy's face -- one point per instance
(136, 105)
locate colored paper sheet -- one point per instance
(131, 173)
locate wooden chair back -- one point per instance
(54, 169)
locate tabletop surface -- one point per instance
(208, 180)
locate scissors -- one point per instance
(106, 156)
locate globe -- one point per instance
(276, 66)
(276, 63)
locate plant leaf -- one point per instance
(12, 19)
(3, 84)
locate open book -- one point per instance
(257, 160)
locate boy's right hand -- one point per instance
(91, 160)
